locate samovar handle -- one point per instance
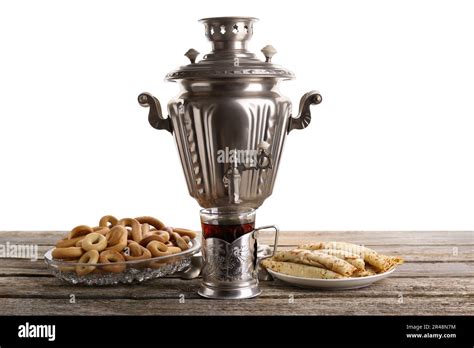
(304, 114)
(155, 117)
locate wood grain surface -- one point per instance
(437, 279)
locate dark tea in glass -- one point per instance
(229, 233)
(227, 224)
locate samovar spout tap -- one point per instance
(232, 179)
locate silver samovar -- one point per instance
(230, 123)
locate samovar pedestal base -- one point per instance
(229, 293)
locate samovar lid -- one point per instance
(229, 57)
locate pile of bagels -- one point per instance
(114, 242)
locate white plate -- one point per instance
(331, 284)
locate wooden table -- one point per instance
(437, 279)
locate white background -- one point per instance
(391, 146)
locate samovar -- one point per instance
(230, 123)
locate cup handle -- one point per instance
(256, 232)
(262, 273)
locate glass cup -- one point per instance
(229, 248)
(227, 224)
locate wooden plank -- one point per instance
(433, 253)
(31, 237)
(411, 305)
(424, 253)
(376, 238)
(169, 288)
(409, 269)
(297, 237)
(22, 267)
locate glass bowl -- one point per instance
(122, 272)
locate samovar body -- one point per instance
(221, 132)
